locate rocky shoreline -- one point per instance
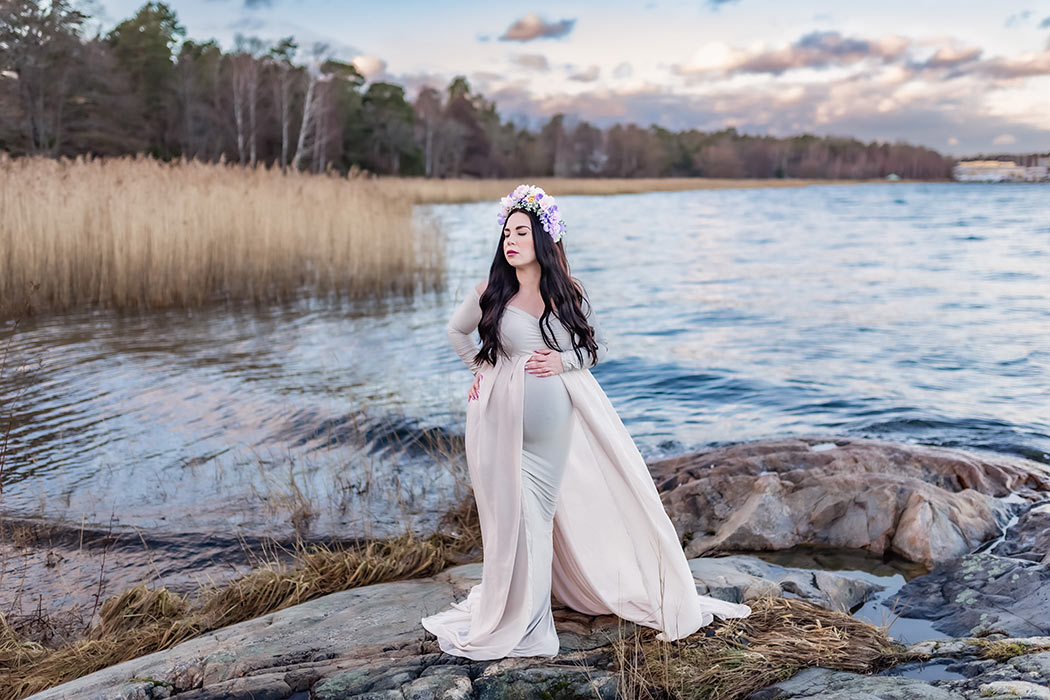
(979, 522)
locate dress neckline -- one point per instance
(512, 306)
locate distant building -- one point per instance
(1001, 171)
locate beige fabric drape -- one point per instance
(615, 549)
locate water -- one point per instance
(909, 312)
(888, 572)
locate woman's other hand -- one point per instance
(473, 393)
(545, 363)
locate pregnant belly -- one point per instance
(548, 406)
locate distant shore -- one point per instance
(453, 191)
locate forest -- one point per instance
(143, 87)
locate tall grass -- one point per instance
(140, 233)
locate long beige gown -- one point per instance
(566, 505)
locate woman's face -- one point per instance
(518, 246)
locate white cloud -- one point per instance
(369, 66)
(1003, 139)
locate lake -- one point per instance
(908, 312)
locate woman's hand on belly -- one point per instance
(544, 363)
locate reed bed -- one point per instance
(435, 191)
(138, 233)
(732, 659)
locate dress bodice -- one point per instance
(520, 332)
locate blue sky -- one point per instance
(963, 78)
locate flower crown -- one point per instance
(533, 198)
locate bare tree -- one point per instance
(428, 116)
(280, 60)
(244, 73)
(310, 103)
(39, 43)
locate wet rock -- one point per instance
(927, 504)
(1029, 538)
(1018, 677)
(980, 594)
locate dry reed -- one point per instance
(140, 620)
(431, 191)
(733, 658)
(143, 234)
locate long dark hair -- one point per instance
(562, 294)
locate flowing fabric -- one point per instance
(613, 549)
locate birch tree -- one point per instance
(280, 59)
(316, 76)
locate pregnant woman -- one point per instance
(565, 500)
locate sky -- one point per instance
(963, 78)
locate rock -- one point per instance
(741, 577)
(1029, 538)
(825, 684)
(268, 686)
(982, 593)
(364, 643)
(451, 684)
(970, 678)
(503, 681)
(926, 504)
(1014, 689)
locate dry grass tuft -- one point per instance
(1003, 649)
(137, 233)
(734, 658)
(140, 621)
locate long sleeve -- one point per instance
(568, 357)
(461, 326)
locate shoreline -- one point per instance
(257, 591)
(461, 191)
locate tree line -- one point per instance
(143, 87)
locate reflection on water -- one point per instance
(908, 312)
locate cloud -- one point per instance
(1026, 66)
(623, 70)
(532, 26)
(951, 57)
(371, 67)
(716, 5)
(586, 76)
(532, 61)
(848, 107)
(257, 4)
(414, 82)
(819, 49)
(1003, 139)
(1018, 18)
(247, 23)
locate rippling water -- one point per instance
(902, 311)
